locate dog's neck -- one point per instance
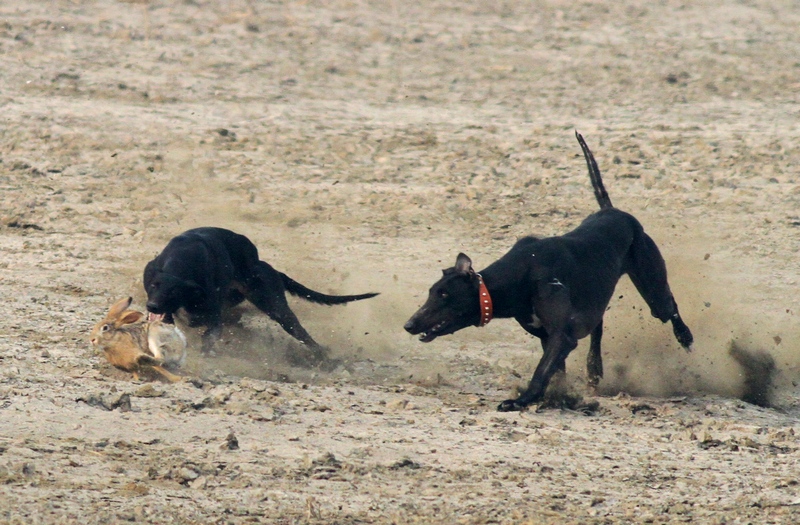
(485, 302)
(503, 293)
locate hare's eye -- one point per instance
(105, 328)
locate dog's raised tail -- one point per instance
(594, 174)
(295, 288)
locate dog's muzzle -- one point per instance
(155, 308)
(426, 334)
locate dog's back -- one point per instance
(207, 256)
(242, 252)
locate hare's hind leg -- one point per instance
(166, 374)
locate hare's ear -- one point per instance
(119, 307)
(128, 317)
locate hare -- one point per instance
(136, 346)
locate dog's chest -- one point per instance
(533, 322)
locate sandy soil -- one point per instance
(362, 146)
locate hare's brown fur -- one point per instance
(124, 341)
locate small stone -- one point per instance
(200, 483)
(121, 401)
(148, 391)
(231, 442)
(109, 401)
(186, 475)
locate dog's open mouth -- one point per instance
(432, 333)
(152, 318)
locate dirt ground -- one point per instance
(361, 146)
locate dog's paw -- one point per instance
(511, 405)
(685, 339)
(682, 333)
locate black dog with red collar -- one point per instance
(556, 288)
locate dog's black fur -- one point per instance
(557, 288)
(206, 271)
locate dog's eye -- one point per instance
(105, 328)
(443, 294)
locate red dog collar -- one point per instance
(485, 301)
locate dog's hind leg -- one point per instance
(557, 348)
(277, 308)
(594, 360)
(265, 289)
(681, 331)
(647, 270)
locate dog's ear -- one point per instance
(149, 271)
(463, 264)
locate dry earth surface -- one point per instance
(362, 146)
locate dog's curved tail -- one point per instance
(295, 288)
(594, 174)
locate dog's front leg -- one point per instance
(210, 338)
(557, 348)
(594, 360)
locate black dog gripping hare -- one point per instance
(556, 288)
(206, 271)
